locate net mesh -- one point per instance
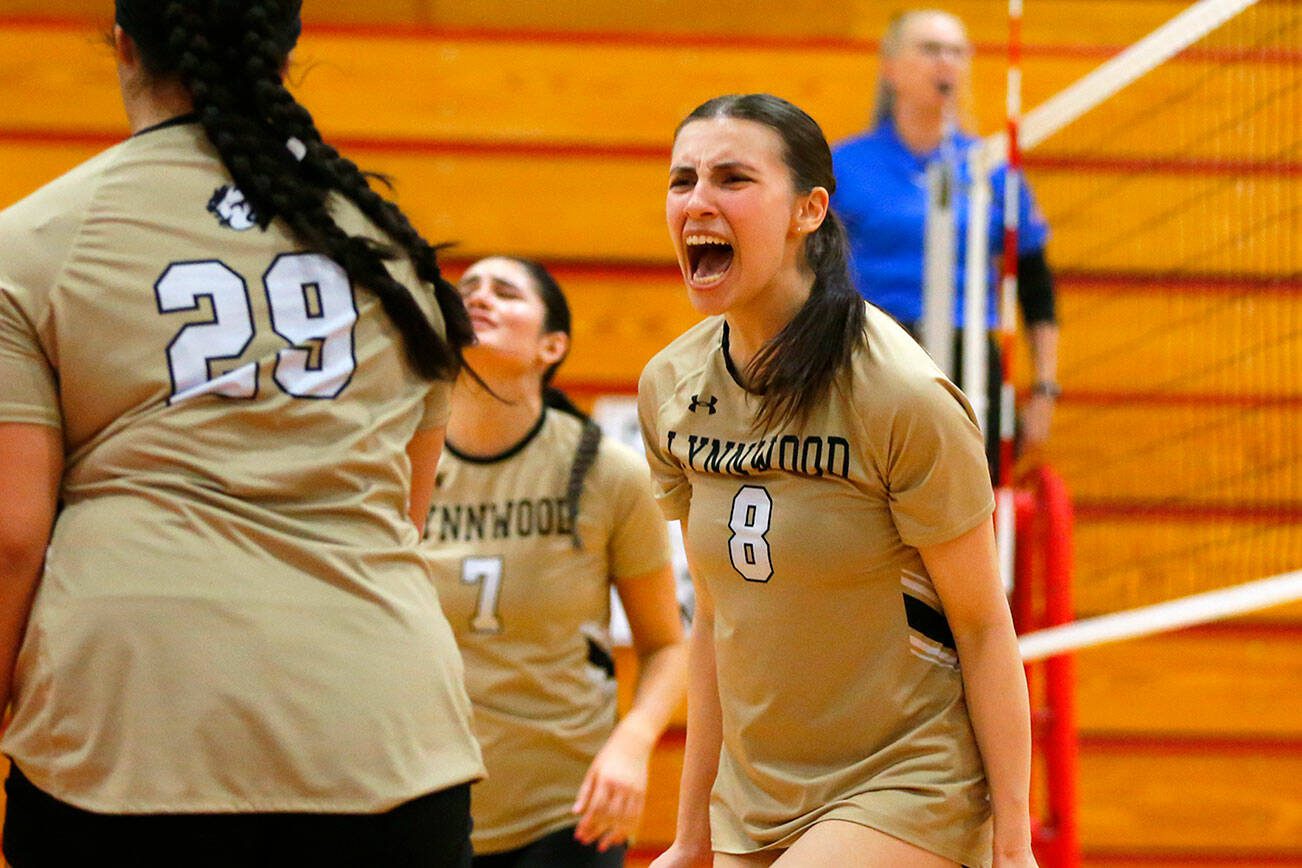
(1175, 208)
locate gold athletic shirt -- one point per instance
(235, 614)
(527, 608)
(838, 679)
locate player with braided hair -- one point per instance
(225, 373)
(277, 157)
(535, 517)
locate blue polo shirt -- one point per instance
(882, 199)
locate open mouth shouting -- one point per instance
(709, 258)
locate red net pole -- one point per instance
(1061, 746)
(1042, 597)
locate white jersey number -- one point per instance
(312, 307)
(226, 336)
(748, 547)
(311, 304)
(487, 573)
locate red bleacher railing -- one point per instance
(1042, 597)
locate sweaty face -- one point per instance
(731, 210)
(931, 63)
(507, 314)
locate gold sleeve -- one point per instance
(28, 392)
(936, 473)
(672, 490)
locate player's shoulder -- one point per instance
(62, 200)
(621, 462)
(559, 432)
(619, 480)
(615, 468)
(889, 361)
(684, 356)
(563, 431)
(895, 379)
(38, 231)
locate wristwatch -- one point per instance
(1048, 388)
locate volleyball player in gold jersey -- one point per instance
(225, 367)
(856, 695)
(535, 518)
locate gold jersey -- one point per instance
(530, 612)
(838, 679)
(235, 613)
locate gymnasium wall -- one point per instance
(543, 129)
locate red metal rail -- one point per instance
(1042, 597)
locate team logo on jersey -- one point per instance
(709, 405)
(231, 209)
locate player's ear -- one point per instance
(553, 348)
(811, 210)
(124, 48)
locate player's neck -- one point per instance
(920, 128)
(752, 325)
(149, 103)
(483, 425)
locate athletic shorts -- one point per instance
(40, 831)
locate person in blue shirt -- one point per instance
(882, 196)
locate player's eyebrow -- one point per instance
(732, 165)
(468, 279)
(725, 166)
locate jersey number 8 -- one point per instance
(748, 547)
(311, 305)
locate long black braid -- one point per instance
(229, 55)
(557, 319)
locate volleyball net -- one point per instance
(1170, 177)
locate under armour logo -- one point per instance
(709, 405)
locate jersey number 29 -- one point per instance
(311, 305)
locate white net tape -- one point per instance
(1067, 105)
(1172, 615)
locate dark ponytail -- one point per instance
(229, 55)
(584, 454)
(794, 370)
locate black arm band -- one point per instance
(1035, 288)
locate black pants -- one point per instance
(557, 850)
(431, 831)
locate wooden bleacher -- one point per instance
(544, 130)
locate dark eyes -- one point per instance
(499, 290)
(727, 180)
